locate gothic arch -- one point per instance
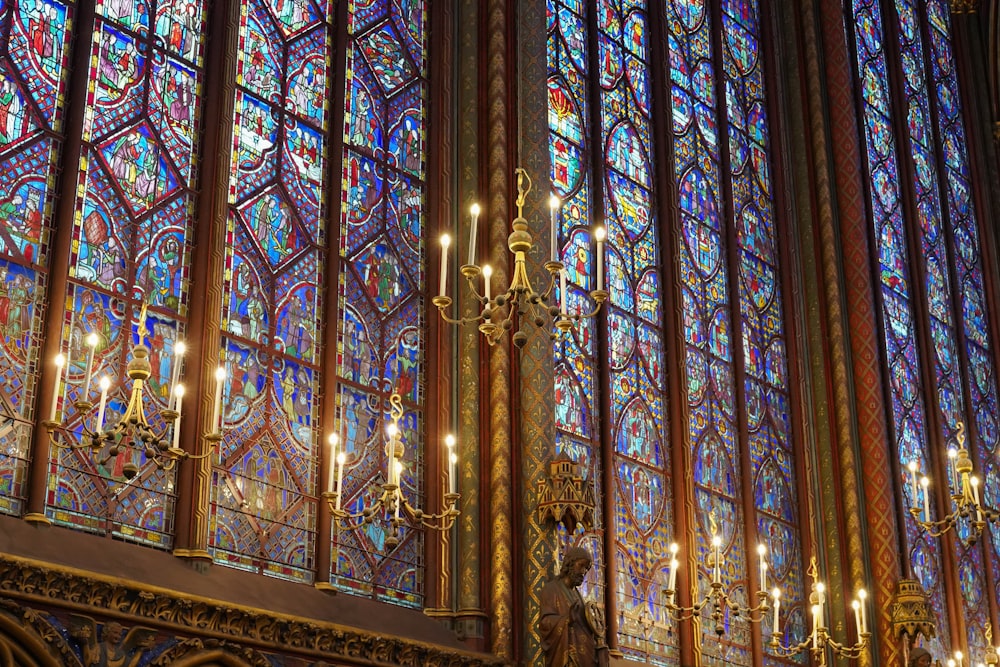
(23, 645)
(194, 653)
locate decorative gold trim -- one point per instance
(196, 554)
(964, 6)
(37, 519)
(214, 621)
(326, 587)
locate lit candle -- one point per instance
(92, 340)
(815, 633)
(391, 430)
(974, 483)
(952, 458)
(179, 393)
(674, 565)
(449, 442)
(179, 349)
(776, 594)
(104, 384)
(863, 597)
(716, 572)
(487, 274)
(959, 657)
(331, 456)
(761, 550)
(60, 360)
(472, 236)
(821, 597)
(340, 477)
(220, 380)
(599, 235)
(553, 219)
(445, 243)
(562, 290)
(924, 482)
(399, 487)
(857, 615)
(913, 480)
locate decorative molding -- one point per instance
(964, 6)
(911, 612)
(214, 623)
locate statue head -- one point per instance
(576, 563)
(919, 657)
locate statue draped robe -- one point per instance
(566, 635)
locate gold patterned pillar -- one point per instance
(498, 189)
(471, 618)
(537, 399)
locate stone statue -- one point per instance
(571, 631)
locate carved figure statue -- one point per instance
(919, 657)
(571, 631)
(115, 647)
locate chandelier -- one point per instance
(969, 512)
(820, 640)
(716, 595)
(132, 432)
(520, 300)
(390, 505)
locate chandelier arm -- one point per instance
(788, 651)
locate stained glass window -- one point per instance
(265, 484)
(767, 403)
(943, 328)
(131, 242)
(32, 83)
(636, 321)
(381, 318)
(576, 369)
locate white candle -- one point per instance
(60, 360)
(974, 483)
(331, 456)
(554, 204)
(952, 458)
(399, 487)
(863, 597)
(761, 550)
(487, 275)
(452, 459)
(340, 477)
(924, 482)
(959, 657)
(674, 565)
(69, 364)
(913, 480)
(390, 469)
(179, 393)
(445, 242)
(472, 236)
(776, 594)
(857, 615)
(92, 340)
(815, 633)
(562, 290)
(599, 235)
(716, 573)
(220, 380)
(104, 384)
(179, 349)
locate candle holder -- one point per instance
(520, 299)
(390, 504)
(969, 512)
(132, 431)
(717, 595)
(820, 642)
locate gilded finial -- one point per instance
(396, 407)
(522, 191)
(141, 330)
(813, 570)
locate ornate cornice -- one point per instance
(214, 622)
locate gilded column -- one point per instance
(537, 407)
(195, 475)
(498, 189)
(472, 371)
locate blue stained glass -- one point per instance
(382, 277)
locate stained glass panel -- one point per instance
(766, 390)
(265, 485)
(380, 323)
(576, 371)
(33, 78)
(981, 373)
(131, 247)
(908, 407)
